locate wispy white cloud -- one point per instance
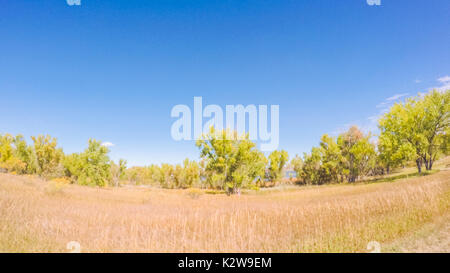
(397, 96)
(387, 103)
(373, 118)
(383, 104)
(371, 123)
(108, 144)
(443, 88)
(445, 81)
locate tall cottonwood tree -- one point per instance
(10, 155)
(392, 152)
(297, 165)
(232, 160)
(49, 157)
(420, 122)
(277, 161)
(358, 153)
(118, 171)
(91, 167)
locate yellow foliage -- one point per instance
(194, 193)
(61, 180)
(57, 185)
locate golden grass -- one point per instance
(36, 216)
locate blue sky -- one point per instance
(113, 70)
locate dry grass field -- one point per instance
(40, 216)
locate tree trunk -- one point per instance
(388, 169)
(419, 165)
(426, 162)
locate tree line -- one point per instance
(416, 130)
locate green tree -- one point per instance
(358, 153)
(421, 122)
(325, 164)
(311, 167)
(277, 161)
(191, 173)
(297, 165)
(7, 160)
(49, 158)
(118, 171)
(91, 167)
(392, 152)
(165, 176)
(331, 159)
(436, 106)
(12, 154)
(186, 175)
(25, 154)
(232, 161)
(142, 175)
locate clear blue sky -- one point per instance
(112, 70)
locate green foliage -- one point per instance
(142, 175)
(232, 161)
(277, 161)
(392, 152)
(422, 124)
(49, 158)
(186, 175)
(165, 175)
(118, 171)
(297, 165)
(349, 157)
(358, 153)
(418, 129)
(25, 154)
(311, 167)
(7, 159)
(15, 155)
(91, 167)
(324, 164)
(331, 156)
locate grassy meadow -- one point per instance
(41, 216)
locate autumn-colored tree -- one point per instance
(143, 175)
(25, 154)
(10, 155)
(165, 176)
(49, 157)
(186, 175)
